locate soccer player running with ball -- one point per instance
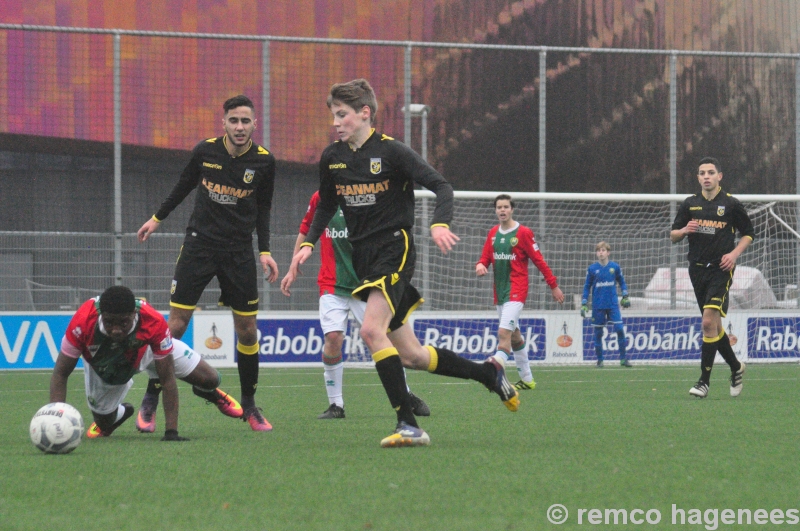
(602, 278)
(508, 248)
(118, 336)
(234, 179)
(711, 219)
(371, 177)
(336, 280)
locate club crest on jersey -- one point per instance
(610, 269)
(720, 210)
(375, 166)
(513, 241)
(248, 176)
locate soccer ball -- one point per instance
(57, 428)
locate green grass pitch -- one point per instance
(584, 438)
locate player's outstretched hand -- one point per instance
(558, 295)
(625, 302)
(269, 266)
(294, 269)
(172, 435)
(443, 238)
(584, 310)
(147, 229)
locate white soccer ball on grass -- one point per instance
(57, 428)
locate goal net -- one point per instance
(663, 323)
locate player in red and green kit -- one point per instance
(508, 248)
(337, 279)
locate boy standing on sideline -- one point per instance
(508, 248)
(371, 177)
(234, 179)
(336, 280)
(601, 279)
(711, 219)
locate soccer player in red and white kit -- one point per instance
(118, 337)
(508, 248)
(337, 279)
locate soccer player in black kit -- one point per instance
(235, 179)
(371, 177)
(711, 219)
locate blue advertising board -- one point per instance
(476, 339)
(649, 338)
(32, 341)
(772, 337)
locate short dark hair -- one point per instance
(506, 197)
(117, 300)
(711, 160)
(356, 94)
(237, 101)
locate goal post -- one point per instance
(663, 323)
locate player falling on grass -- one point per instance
(119, 336)
(711, 219)
(336, 281)
(602, 278)
(234, 179)
(508, 248)
(371, 177)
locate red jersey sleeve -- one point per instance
(80, 330)
(531, 248)
(154, 331)
(487, 256)
(305, 225)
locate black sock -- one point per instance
(451, 364)
(390, 371)
(708, 352)
(248, 374)
(153, 386)
(726, 351)
(211, 396)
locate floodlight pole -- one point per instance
(412, 110)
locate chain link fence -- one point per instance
(95, 126)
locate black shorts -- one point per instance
(386, 262)
(711, 285)
(235, 269)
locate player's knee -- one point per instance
(207, 377)
(333, 342)
(370, 334)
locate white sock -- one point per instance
(333, 383)
(120, 413)
(502, 357)
(523, 366)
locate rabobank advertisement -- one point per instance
(648, 338)
(476, 338)
(32, 340)
(772, 337)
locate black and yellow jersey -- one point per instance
(374, 186)
(719, 220)
(234, 194)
